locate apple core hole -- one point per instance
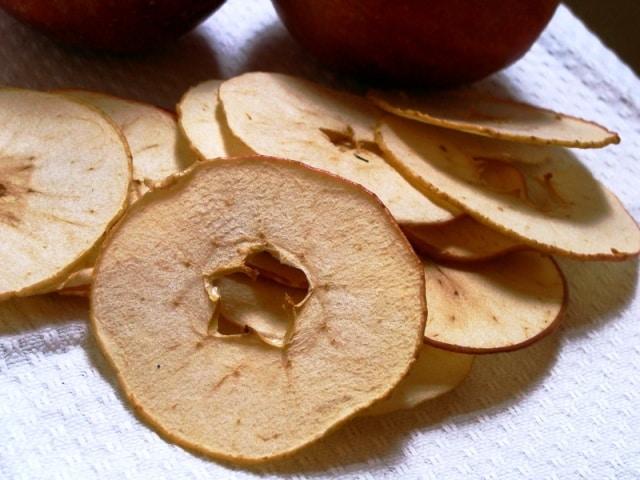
(259, 298)
(346, 141)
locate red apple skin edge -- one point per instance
(119, 26)
(417, 43)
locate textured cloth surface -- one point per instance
(564, 408)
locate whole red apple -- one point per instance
(112, 25)
(428, 43)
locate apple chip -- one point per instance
(435, 373)
(157, 145)
(480, 113)
(158, 306)
(288, 117)
(461, 239)
(203, 122)
(498, 305)
(555, 205)
(65, 171)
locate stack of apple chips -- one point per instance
(289, 256)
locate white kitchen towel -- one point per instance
(564, 408)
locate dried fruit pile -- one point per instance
(278, 257)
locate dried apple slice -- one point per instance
(65, 172)
(436, 372)
(555, 205)
(461, 239)
(480, 113)
(157, 145)
(498, 305)
(203, 122)
(156, 306)
(289, 117)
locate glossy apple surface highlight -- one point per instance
(427, 43)
(112, 25)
